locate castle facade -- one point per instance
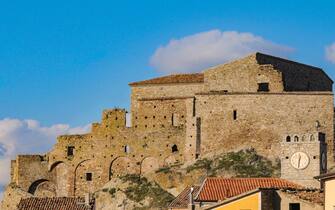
(274, 105)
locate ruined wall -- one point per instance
(178, 123)
(112, 149)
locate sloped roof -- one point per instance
(183, 199)
(172, 79)
(298, 76)
(215, 189)
(63, 203)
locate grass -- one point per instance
(244, 163)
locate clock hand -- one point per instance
(299, 158)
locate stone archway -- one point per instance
(87, 177)
(170, 160)
(122, 166)
(61, 174)
(149, 164)
(42, 188)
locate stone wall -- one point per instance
(178, 123)
(283, 200)
(261, 120)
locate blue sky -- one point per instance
(63, 62)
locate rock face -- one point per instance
(252, 102)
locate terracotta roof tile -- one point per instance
(63, 203)
(215, 189)
(183, 199)
(173, 79)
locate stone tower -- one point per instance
(303, 157)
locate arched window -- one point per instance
(296, 138)
(311, 138)
(288, 139)
(174, 148)
(303, 138)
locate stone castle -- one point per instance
(277, 106)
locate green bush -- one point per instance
(140, 188)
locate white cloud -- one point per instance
(28, 137)
(202, 50)
(330, 53)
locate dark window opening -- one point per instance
(235, 114)
(88, 176)
(198, 136)
(194, 107)
(322, 137)
(263, 87)
(296, 139)
(126, 149)
(174, 148)
(70, 150)
(294, 206)
(288, 139)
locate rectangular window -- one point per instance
(194, 107)
(88, 176)
(198, 137)
(70, 150)
(263, 87)
(235, 114)
(294, 206)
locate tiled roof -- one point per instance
(183, 199)
(215, 189)
(61, 203)
(172, 79)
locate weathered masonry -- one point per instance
(251, 102)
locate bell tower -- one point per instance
(304, 156)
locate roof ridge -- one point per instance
(197, 77)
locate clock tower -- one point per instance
(304, 156)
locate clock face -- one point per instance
(324, 161)
(299, 160)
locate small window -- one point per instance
(126, 149)
(288, 138)
(312, 138)
(70, 150)
(235, 114)
(294, 206)
(263, 87)
(88, 176)
(174, 148)
(296, 139)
